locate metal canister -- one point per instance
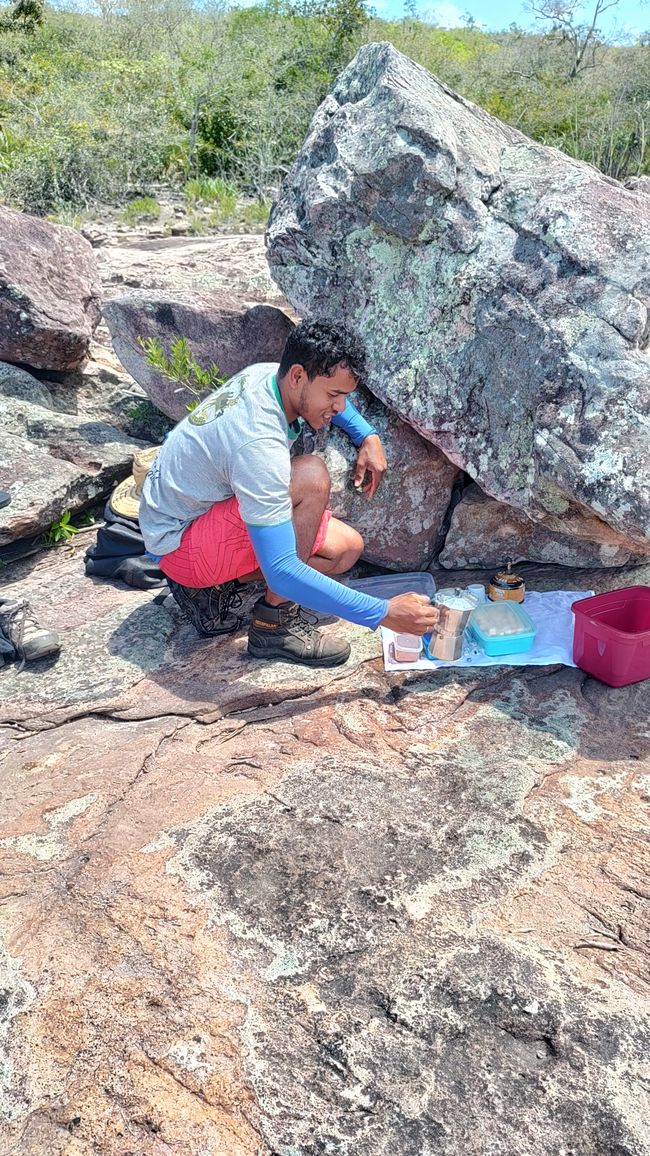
(506, 585)
(455, 606)
(446, 647)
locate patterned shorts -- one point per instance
(216, 548)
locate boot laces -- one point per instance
(300, 621)
(16, 619)
(223, 599)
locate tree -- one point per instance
(583, 39)
(26, 15)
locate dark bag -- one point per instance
(119, 552)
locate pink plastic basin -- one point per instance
(611, 639)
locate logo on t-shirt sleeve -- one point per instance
(223, 398)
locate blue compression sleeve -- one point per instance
(288, 577)
(353, 424)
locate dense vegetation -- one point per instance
(98, 106)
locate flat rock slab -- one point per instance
(227, 267)
(251, 909)
(53, 459)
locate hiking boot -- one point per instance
(287, 633)
(20, 627)
(209, 609)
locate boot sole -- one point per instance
(261, 652)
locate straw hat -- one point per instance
(125, 499)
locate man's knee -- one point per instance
(309, 475)
(354, 544)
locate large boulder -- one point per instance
(231, 338)
(484, 533)
(52, 460)
(402, 525)
(502, 289)
(49, 293)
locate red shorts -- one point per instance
(216, 548)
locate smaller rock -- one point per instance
(484, 532)
(52, 460)
(232, 338)
(49, 293)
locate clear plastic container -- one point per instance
(407, 647)
(390, 585)
(502, 628)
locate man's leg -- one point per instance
(310, 491)
(280, 630)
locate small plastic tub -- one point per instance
(407, 647)
(502, 628)
(611, 639)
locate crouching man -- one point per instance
(225, 504)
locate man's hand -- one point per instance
(371, 458)
(411, 614)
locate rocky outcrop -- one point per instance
(315, 911)
(402, 526)
(231, 338)
(49, 293)
(53, 459)
(483, 532)
(502, 288)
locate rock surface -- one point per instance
(49, 293)
(483, 532)
(221, 267)
(57, 452)
(230, 337)
(254, 910)
(403, 525)
(502, 288)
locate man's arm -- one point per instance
(354, 424)
(371, 457)
(288, 577)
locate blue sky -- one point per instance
(627, 18)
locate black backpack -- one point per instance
(119, 552)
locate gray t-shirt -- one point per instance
(235, 443)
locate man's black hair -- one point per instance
(320, 347)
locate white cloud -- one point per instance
(445, 15)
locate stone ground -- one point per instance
(250, 909)
(253, 909)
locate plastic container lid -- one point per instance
(502, 628)
(390, 585)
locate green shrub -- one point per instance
(144, 420)
(254, 213)
(140, 209)
(180, 366)
(212, 191)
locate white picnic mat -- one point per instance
(551, 613)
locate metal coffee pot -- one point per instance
(455, 606)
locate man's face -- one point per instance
(323, 397)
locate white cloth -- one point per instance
(553, 620)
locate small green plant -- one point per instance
(144, 420)
(213, 191)
(64, 529)
(181, 366)
(140, 209)
(67, 215)
(197, 226)
(255, 213)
